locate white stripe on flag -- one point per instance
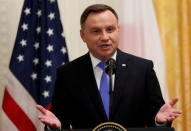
(6, 123)
(24, 100)
(140, 36)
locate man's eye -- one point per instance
(110, 29)
(95, 31)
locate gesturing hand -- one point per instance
(48, 118)
(167, 113)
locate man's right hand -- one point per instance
(48, 118)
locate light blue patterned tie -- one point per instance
(104, 88)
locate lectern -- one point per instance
(129, 129)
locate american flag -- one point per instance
(39, 49)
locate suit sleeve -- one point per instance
(60, 103)
(154, 95)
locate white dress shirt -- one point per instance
(98, 71)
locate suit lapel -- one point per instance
(92, 89)
(122, 62)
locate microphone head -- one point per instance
(110, 66)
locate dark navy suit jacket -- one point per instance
(137, 95)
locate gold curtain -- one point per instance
(174, 20)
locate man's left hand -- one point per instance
(167, 113)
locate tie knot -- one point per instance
(102, 65)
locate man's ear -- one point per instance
(118, 28)
(82, 35)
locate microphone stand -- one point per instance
(110, 70)
(110, 93)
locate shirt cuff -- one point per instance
(51, 128)
(160, 124)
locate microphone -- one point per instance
(110, 66)
(110, 70)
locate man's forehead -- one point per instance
(101, 26)
(106, 18)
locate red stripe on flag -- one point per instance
(48, 107)
(16, 114)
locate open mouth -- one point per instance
(105, 46)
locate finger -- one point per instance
(51, 123)
(173, 101)
(43, 117)
(163, 120)
(41, 109)
(170, 119)
(175, 115)
(177, 111)
(46, 121)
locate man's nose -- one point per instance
(105, 36)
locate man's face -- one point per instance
(101, 34)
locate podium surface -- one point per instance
(128, 129)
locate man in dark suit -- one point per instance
(137, 99)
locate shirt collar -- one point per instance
(95, 61)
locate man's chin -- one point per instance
(107, 56)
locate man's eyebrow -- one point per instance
(94, 28)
